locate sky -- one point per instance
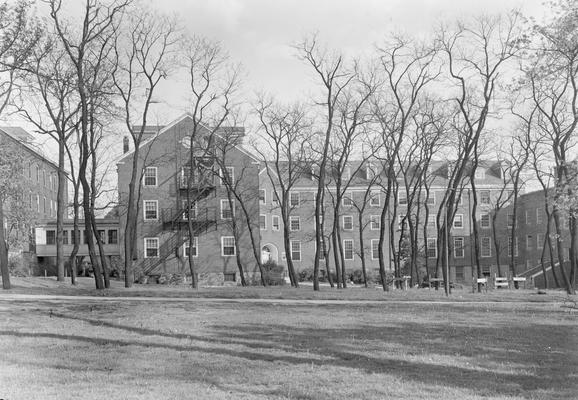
(260, 33)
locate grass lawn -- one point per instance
(110, 348)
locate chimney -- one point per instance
(125, 145)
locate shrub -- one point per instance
(273, 274)
(305, 275)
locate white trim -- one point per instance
(461, 221)
(343, 221)
(463, 248)
(352, 250)
(223, 246)
(186, 246)
(273, 217)
(371, 249)
(155, 239)
(264, 228)
(144, 176)
(434, 247)
(298, 198)
(144, 210)
(371, 219)
(294, 218)
(300, 251)
(232, 209)
(264, 196)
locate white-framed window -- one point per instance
(510, 220)
(431, 249)
(431, 199)
(431, 221)
(402, 198)
(151, 210)
(485, 220)
(375, 198)
(226, 211)
(347, 199)
(150, 176)
(274, 198)
(112, 236)
(374, 249)
(528, 217)
(347, 223)
(296, 250)
(151, 247)
(37, 203)
(486, 246)
(485, 197)
(294, 223)
(459, 221)
(539, 240)
(294, 199)
(539, 219)
(348, 249)
(263, 222)
(459, 247)
(509, 246)
(228, 175)
(275, 222)
(528, 242)
(480, 174)
(44, 204)
(195, 251)
(374, 222)
(262, 196)
(227, 246)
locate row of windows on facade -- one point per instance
(151, 210)
(150, 176)
(151, 247)
(108, 236)
(51, 182)
(49, 206)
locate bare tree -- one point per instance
(146, 54)
(286, 134)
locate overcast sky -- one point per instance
(259, 33)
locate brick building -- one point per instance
(162, 234)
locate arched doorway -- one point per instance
(269, 253)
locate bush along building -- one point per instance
(204, 179)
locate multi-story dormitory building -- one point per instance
(489, 185)
(40, 187)
(162, 241)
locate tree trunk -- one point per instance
(4, 271)
(60, 211)
(362, 247)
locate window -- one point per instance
(37, 173)
(401, 222)
(347, 222)
(102, 235)
(150, 176)
(459, 272)
(37, 203)
(228, 175)
(51, 237)
(347, 200)
(294, 199)
(402, 199)
(263, 222)
(485, 197)
(375, 199)
(459, 247)
(227, 246)
(509, 246)
(296, 250)
(528, 217)
(275, 222)
(431, 199)
(431, 248)
(112, 236)
(431, 221)
(294, 223)
(44, 205)
(510, 220)
(65, 237)
(323, 250)
(539, 219)
(346, 174)
(274, 198)
(85, 236)
(485, 220)
(459, 221)
(262, 196)
(486, 247)
(374, 222)
(528, 242)
(348, 249)
(150, 210)
(229, 277)
(186, 247)
(226, 211)
(151, 247)
(374, 249)
(539, 240)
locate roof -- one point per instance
(24, 138)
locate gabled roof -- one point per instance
(237, 130)
(23, 138)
